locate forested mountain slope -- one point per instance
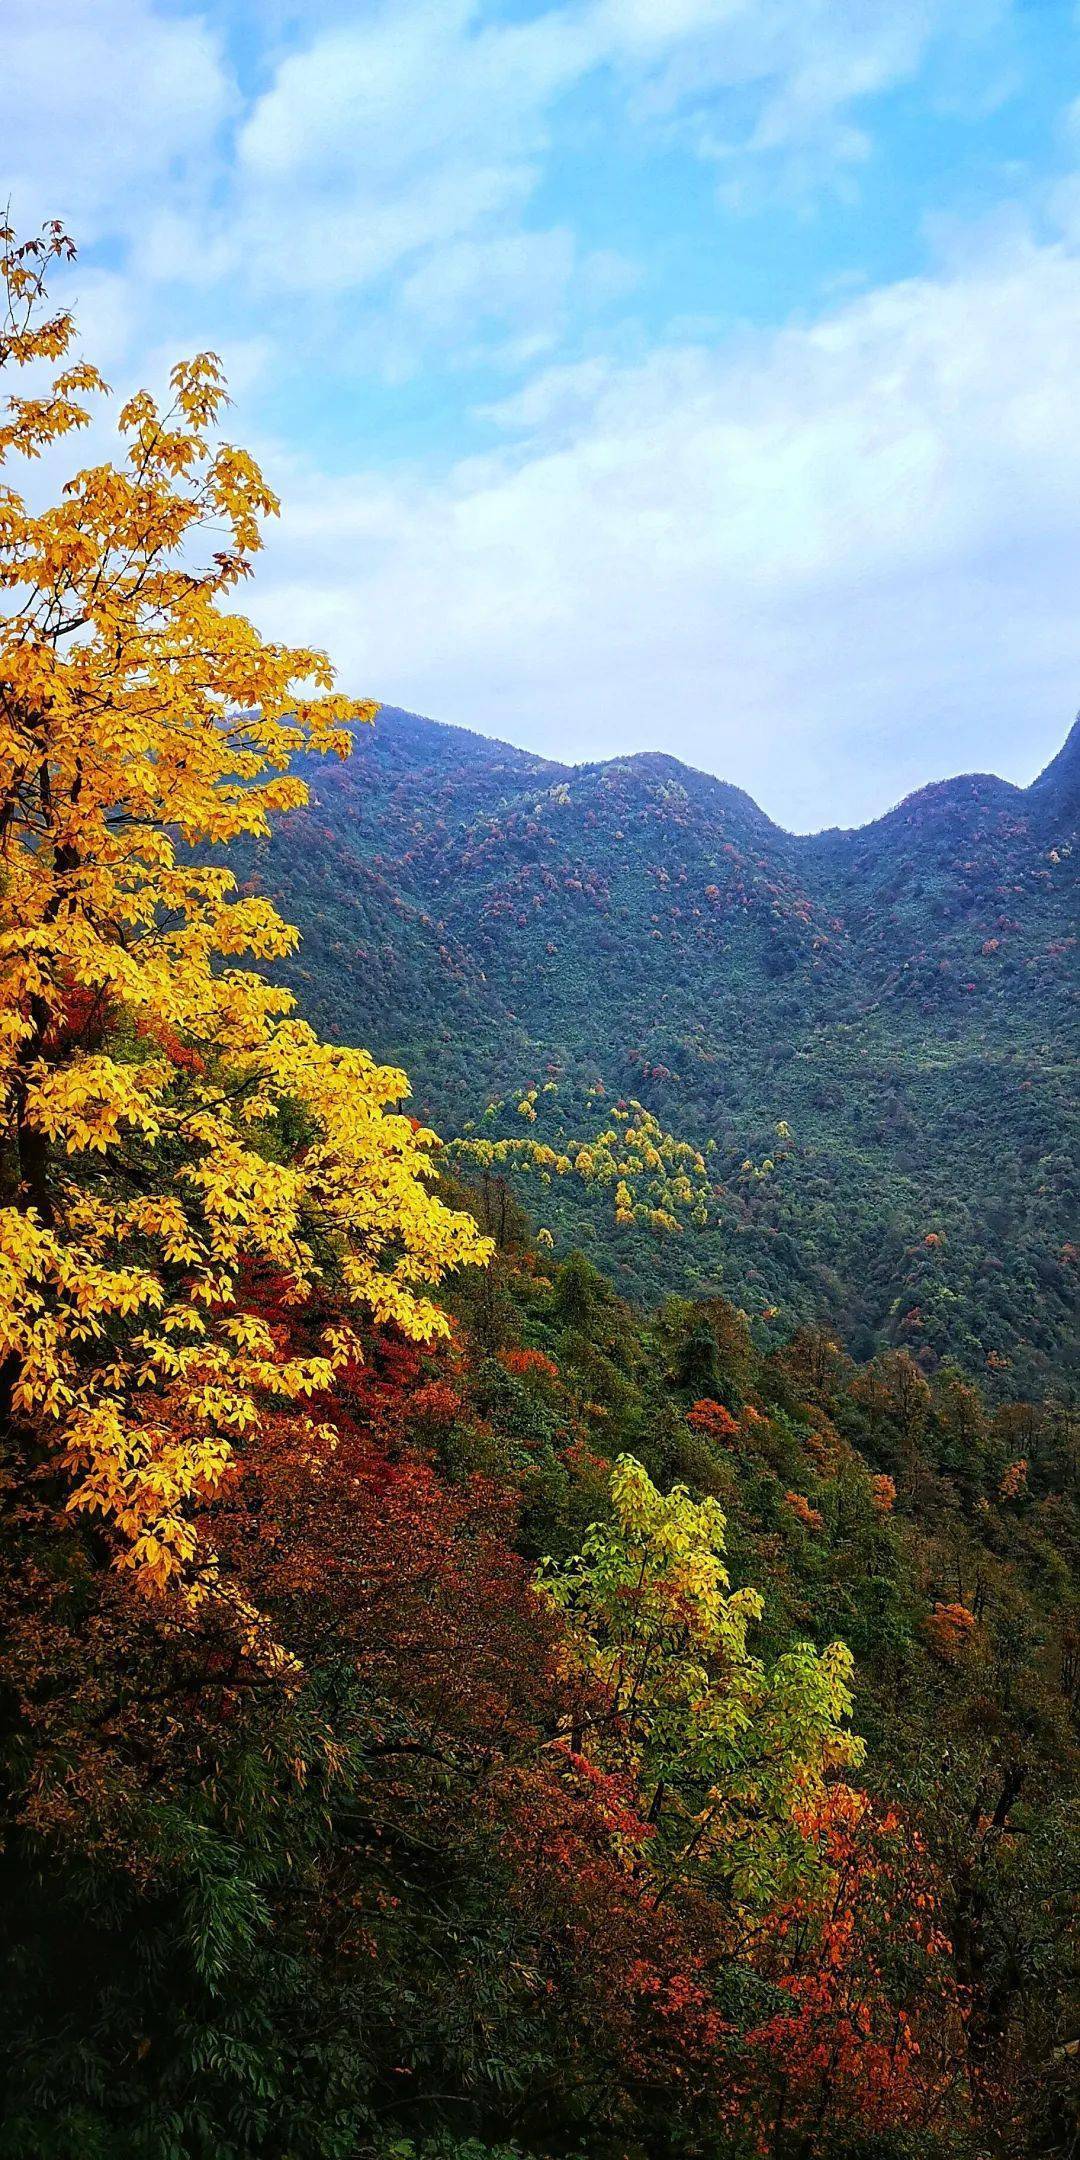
(448, 1712)
(903, 997)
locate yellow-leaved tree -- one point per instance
(170, 1126)
(733, 1758)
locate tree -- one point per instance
(727, 1753)
(168, 1122)
(870, 2025)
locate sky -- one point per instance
(693, 375)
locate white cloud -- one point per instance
(100, 101)
(425, 123)
(388, 92)
(462, 299)
(498, 301)
(751, 82)
(411, 128)
(786, 564)
(399, 144)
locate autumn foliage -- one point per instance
(169, 1118)
(428, 1720)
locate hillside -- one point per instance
(450, 1710)
(903, 997)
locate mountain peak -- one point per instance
(659, 767)
(496, 921)
(413, 740)
(1060, 780)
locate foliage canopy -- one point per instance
(170, 1122)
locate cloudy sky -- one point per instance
(700, 375)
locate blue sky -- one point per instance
(692, 374)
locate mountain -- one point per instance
(903, 997)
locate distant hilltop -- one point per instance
(905, 995)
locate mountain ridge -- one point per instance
(902, 994)
(1061, 771)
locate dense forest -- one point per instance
(500, 1869)
(903, 998)
(450, 1708)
